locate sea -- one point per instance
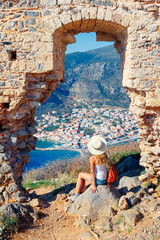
(45, 153)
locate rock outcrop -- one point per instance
(33, 39)
(92, 207)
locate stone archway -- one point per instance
(34, 35)
(105, 31)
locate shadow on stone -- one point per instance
(93, 206)
(129, 166)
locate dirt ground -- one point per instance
(56, 224)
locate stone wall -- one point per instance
(33, 39)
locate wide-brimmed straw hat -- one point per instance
(97, 145)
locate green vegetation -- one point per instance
(114, 124)
(38, 184)
(51, 128)
(121, 155)
(58, 174)
(157, 237)
(97, 123)
(67, 120)
(92, 227)
(129, 230)
(119, 219)
(58, 182)
(8, 226)
(87, 131)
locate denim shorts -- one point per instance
(99, 182)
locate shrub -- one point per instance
(8, 226)
(60, 172)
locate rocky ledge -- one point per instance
(115, 209)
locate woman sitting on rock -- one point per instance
(98, 176)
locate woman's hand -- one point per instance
(93, 189)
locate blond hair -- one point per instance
(102, 159)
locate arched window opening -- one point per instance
(91, 101)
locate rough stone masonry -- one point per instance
(33, 39)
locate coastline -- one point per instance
(52, 152)
(110, 143)
(60, 149)
(128, 139)
(80, 150)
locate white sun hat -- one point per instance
(97, 145)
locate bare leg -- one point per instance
(85, 185)
(83, 182)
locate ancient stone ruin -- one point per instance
(33, 39)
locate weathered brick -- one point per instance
(48, 2)
(33, 43)
(4, 99)
(31, 13)
(30, 21)
(153, 102)
(10, 25)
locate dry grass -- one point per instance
(63, 172)
(132, 146)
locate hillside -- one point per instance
(94, 74)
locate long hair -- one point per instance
(102, 159)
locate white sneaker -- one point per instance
(73, 197)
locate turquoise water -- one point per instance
(39, 158)
(46, 144)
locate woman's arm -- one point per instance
(92, 166)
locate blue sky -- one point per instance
(85, 42)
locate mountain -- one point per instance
(94, 74)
